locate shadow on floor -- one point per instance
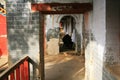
(64, 67)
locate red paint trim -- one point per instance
(22, 71)
(61, 8)
(86, 16)
(12, 76)
(26, 71)
(18, 73)
(3, 36)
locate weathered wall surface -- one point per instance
(22, 29)
(112, 56)
(113, 32)
(96, 46)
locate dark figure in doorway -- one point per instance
(67, 43)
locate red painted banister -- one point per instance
(12, 76)
(20, 70)
(17, 73)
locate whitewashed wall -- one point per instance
(96, 47)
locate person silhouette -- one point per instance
(67, 43)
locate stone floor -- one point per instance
(64, 67)
(114, 70)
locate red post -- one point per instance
(22, 72)
(12, 76)
(26, 70)
(18, 73)
(6, 78)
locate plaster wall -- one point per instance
(113, 32)
(112, 55)
(95, 49)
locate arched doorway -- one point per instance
(67, 27)
(74, 25)
(70, 24)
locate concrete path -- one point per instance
(64, 67)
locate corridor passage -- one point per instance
(64, 67)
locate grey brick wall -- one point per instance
(23, 29)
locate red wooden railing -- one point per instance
(21, 70)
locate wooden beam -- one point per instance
(42, 47)
(62, 8)
(64, 12)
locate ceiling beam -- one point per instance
(62, 8)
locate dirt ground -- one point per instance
(64, 67)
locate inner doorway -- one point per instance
(67, 34)
(58, 63)
(60, 35)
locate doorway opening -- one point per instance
(58, 8)
(59, 59)
(60, 35)
(67, 34)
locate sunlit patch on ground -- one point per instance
(64, 67)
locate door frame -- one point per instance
(54, 8)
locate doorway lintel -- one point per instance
(62, 8)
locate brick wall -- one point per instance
(23, 29)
